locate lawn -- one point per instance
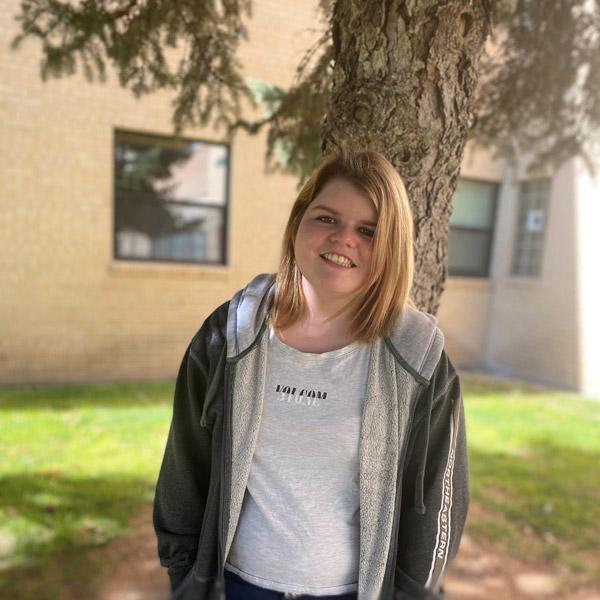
(534, 461)
(76, 463)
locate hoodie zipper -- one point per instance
(225, 474)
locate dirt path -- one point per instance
(477, 572)
(137, 574)
(484, 573)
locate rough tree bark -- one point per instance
(404, 81)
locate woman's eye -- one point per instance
(367, 232)
(325, 219)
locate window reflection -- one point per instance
(170, 199)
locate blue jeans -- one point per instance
(238, 589)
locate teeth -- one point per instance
(339, 260)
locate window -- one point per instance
(170, 199)
(471, 228)
(531, 227)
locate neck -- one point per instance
(318, 319)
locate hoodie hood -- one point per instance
(416, 341)
(247, 314)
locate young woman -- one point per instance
(317, 447)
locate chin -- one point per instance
(341, 285)
(341, 291)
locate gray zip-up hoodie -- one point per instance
(413, 465)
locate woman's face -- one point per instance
(333, 246)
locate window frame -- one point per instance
(517, 230)
(224, 262)
(492, 231)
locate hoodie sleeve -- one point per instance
(183, 482)
(435, 490)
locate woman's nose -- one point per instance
(344, 234)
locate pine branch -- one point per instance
(140, 39)
(540, 90)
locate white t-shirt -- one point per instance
(298, 530)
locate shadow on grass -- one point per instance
(50, 524)
(82, 396)
(549, 492)
(71, 574)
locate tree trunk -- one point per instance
(404, 79)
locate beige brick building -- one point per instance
(92, 291)
(535, 315)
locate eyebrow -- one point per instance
(336, 213)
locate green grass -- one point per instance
(534, 461)
(76, 463)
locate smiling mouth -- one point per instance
(337, 259)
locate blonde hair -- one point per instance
(379, 303)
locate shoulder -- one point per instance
(236, 322)
(417, 343)
(211, 338)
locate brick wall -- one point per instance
(533, 329)
(68, 311)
